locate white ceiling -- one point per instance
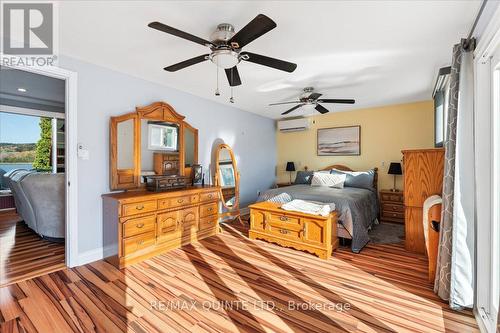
(377, 52)
(42, 92)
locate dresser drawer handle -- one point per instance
(141, 207)
(210, 209)
(394, 208)
(284, 231)
(210, 196)
(180, 200)
(140, 225)
(140, 242)
(283, 218)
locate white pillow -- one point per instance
(329, 180)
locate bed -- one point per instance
(357, 207)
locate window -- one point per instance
(162, 137)
(17, 147)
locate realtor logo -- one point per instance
(28, 29)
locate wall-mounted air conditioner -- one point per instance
(292, 125)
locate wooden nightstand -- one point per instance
(392, 207)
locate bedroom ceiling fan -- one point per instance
(225, 47)
(311, 100)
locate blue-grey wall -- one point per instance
(103, 93)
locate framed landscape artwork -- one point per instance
(339, 141)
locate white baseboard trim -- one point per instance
(97, 254)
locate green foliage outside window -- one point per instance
(43, 146)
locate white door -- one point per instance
(488, 187)
(494, 300)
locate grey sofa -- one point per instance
(40, 200)
(22, 202)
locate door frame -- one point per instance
(487, 178)
(71, 170)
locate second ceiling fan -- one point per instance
(312, 99)
(225, 46)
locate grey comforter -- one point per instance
(360, 204)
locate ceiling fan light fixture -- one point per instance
(225, 58)
(309, 106)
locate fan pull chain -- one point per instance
(231, 99)
(217, 93)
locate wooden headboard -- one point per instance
(346, 168)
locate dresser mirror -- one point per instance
(152, 141)
(227, 178)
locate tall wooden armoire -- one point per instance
(423, 176)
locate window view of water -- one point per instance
(11, 166)
(19, 135)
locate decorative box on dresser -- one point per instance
(423, 176)
(145, 224)
(392, 208)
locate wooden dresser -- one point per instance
(423, 176)
(145, 224)
(392, 208)
(311, 233)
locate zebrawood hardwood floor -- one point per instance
(23, 254)
(184, 290)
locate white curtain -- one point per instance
(463, 242)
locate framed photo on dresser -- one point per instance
(339, 141)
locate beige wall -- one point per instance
(385, 131)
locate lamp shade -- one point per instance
(395, 169)
(290, 166)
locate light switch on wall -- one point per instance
(82, 152)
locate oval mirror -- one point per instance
(227, 177)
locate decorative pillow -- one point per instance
(304, 177)
(359, 179)
(328, 179)
(281, 198)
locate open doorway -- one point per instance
(32, 175)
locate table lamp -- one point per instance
(290, 167)
(395, 169)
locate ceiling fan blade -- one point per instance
(186, 63)
(253, 30)
(179, 33)
(233, 76)
(314, 96)
(339, 101)
(321, 109)
(294, 102)
(269, 62)
(294, 108)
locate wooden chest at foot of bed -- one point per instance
(311, 233)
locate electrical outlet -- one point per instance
(383, 163)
